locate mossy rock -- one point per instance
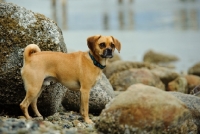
(20, 27)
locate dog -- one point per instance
(76, 71)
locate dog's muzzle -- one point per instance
(107, 53)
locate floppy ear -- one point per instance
(117, 44)
(91, 41)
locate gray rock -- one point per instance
(146, 110)
(193, 104)
(20, 27)
(100, 95)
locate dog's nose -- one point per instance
(109, 51)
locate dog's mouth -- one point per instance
(107, 53)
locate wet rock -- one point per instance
(192, 102)
(195, 69)
(120, 65)
(100, 95)
(145, 109)
(122, 80)
(155, 57)
(20, 27)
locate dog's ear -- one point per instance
(117, 44)
(91, 41)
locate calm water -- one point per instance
(167, 26)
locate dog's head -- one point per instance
(103, 46)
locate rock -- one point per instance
(165, 74)
(195, 69)
(145, 109)
(155, 57)
(20, 27)
(184, 84)
(179, 85)
(192, 102)
(78, 124)
(122, 80)
(59, 123)
(100, 95)
(120, 65)
(192, 81)
(196, 91)
(12, 125)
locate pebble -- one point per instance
(68, 122)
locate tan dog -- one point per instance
(78, 70)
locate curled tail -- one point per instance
(29, 50)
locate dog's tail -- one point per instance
(29, 50)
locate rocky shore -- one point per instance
(130, 97)
(63, 122)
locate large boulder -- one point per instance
(122, 80)
(20, 27)
(195, 69)
(145, 109)
(100, 95)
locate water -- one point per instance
(167, 26)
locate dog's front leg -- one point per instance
(84, 108)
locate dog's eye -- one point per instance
(102, 45)
(112, 45)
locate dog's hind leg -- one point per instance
(34, 105)
(33, 90)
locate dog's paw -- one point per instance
(21, 117)
(40, 118)
(89, 121)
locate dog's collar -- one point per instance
(95, 62)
